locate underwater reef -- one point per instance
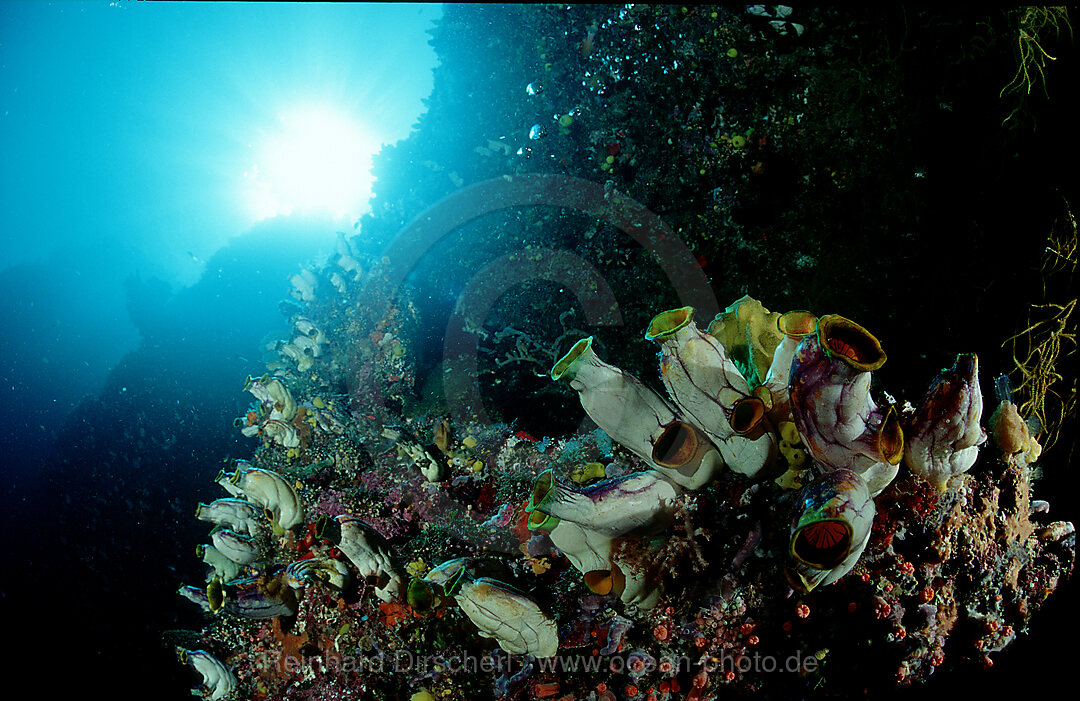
(721, 539)
(825, 484)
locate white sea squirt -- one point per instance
(218, 681)
(944, 438)
(710, 391)
(370, 552)
(238, 514)
(269, 490)
(506, 614)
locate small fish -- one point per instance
(589, 42)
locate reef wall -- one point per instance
(777, 510)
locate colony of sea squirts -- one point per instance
(764, 525)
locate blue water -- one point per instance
(139, 281)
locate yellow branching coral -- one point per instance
(1043, 342)
(1038, 349)
(1031, 70)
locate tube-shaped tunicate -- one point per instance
(238, 514)
(274, 395)
(619, 403)
(840, 423)
(296, 354)
(196, 595)
(266, 596)
(641, 502)
(634, 586)
(225, 480)
(307, 327)
(506, 614)
(830, 528)
(684, 455)
(422, 593)
(333, 572)
(370, 552)
(281, 432)
(304, 284)
(218, 682)
(709, 389)
(795, 325)
(224, 567)
(587, 551)
(269, 490)
(944, 436)
(432, 468)
(241, 549)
